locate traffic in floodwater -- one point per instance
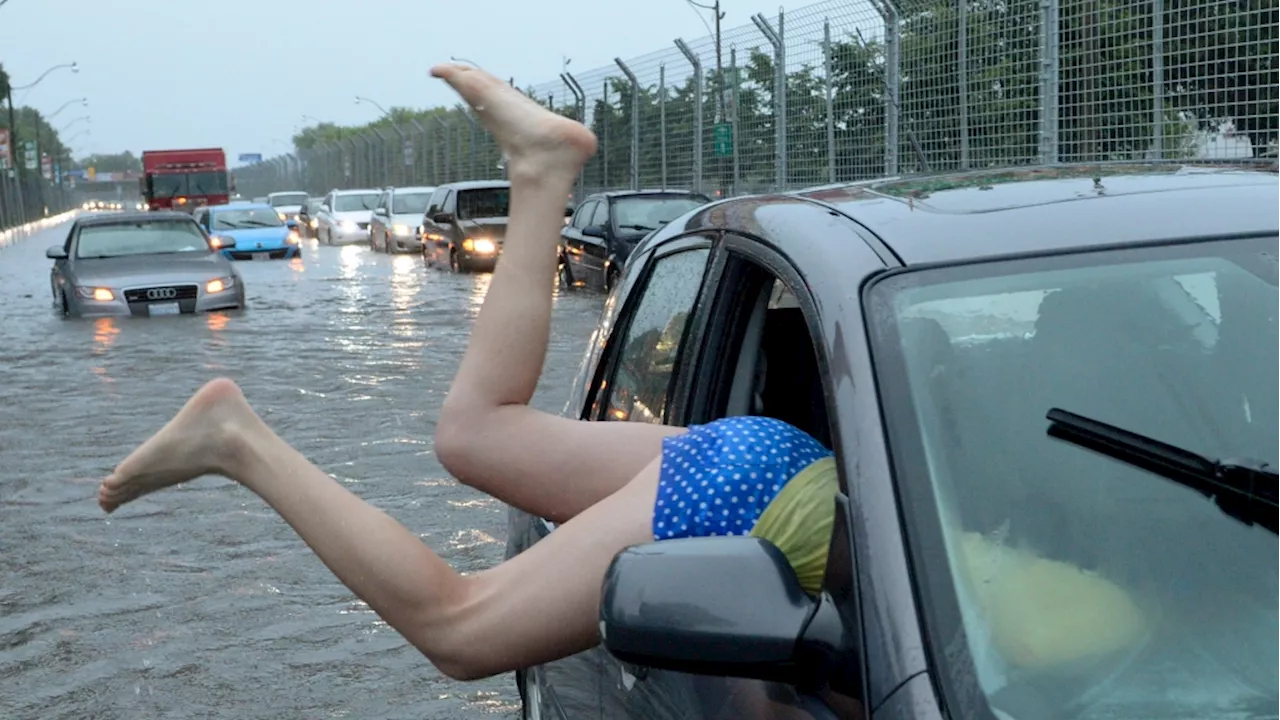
(201, 600)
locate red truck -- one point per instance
(184, 179)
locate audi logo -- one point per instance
(162, 293)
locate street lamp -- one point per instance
(66, 105)
(365, 99)
(73, 122)
(75, 68)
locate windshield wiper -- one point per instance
(637, 227)
(258, 223)
(1244, 489)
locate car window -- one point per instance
(409, 203)
(647, 212)
(433, 207)
(582, 218)
(601, 215)
(447, 203)
(649, 351)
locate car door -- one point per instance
(596, 250)
(650, 382)
(450, 231)
(379, 221)
(326, 218)
(571, 237)
(57, 273)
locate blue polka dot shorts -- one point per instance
(718, 478)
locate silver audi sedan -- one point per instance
(142, 264)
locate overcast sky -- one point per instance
(241, 74)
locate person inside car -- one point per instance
(610, 484)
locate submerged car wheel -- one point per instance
(63, 305)
(454, 263)
(566, 275)
(610, 278)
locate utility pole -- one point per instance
(720, 115)
(14, 160)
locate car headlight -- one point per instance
(483, 246)
(314, 223)
(293, 238)
(283, 216)
(401, 230)
(220, 241)
(347, 226)
(218, 285)
(99, 294)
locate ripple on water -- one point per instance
(199, 601)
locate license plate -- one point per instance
(261, 256)
(163, 309)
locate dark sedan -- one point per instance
(606, 227)
(1034, 383)
(142, 264)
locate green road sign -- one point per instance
(723, 136)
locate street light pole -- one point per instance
(65, 105)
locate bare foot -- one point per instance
(536, 141)
(195, 442)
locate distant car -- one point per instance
(308, 217)
(245, 231)
(344, 216)
(595, 244)
(141, 264)
(288, 204)
(259, 200)
(396, 225)
(465, 223)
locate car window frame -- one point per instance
(606, 206)
(595, 401)
(581, 213)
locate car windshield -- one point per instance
(171, 185)
(351, 203)
(483, 203)
(298, 199)
(144, 237)
(1083, 586)
(410, 203)
(313, 206)
(651, 213)
(241, 218)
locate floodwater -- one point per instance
(199, 601)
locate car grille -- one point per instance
(161, 293)
(273, 254)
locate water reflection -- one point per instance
(105, 331)
(217, 321)
(479, 288)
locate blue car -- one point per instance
(250, 231)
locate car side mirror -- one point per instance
(443, 218)
(57, 252)
(595, 231)
(568, 211)
(728, 606)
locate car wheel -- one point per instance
(64, 306)
(610, 279)
(566, 275)
(454, 263)
(386, 243)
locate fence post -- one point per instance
(444, 144)
(474, 141)
(831, 109)
(697, 112)
(608, 120)
(962, 79)
(733, 117)
(635, 122)
(779, 95)
(1157, 78)
(662, 124)
(580, 101)
(351, 166)
(1049, 81)
(892, 82)
(425, 145)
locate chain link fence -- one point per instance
(850, 90)
(27, 197)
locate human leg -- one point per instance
(487, 436)
(537, 607)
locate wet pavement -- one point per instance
(199, 601)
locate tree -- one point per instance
(112, 163)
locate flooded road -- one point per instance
(199, 601)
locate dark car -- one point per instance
(606, 227)
(307, 221)
(984, 562)
(465, 224)
(142, 264)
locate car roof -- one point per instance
(241, 206)
(477, 184)
(133, 216)
(358, 191)
(287, 192)
(642, 193)
(961, 216)
(415, 189)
